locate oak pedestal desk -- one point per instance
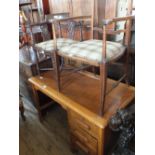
(79, 96)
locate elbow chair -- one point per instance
(97, 53)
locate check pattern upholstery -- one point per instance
(91, 50)
(48, 46)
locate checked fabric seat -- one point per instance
(91, 51)
(48, 46)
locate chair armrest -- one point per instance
(117, 19)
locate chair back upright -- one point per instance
(125, 31)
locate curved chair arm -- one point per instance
(117, 19)
(126, 31)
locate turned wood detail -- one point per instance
(124, 121)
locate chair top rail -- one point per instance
(69, 18)
(109, 31)
(60, 13)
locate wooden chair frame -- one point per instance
(103, 64)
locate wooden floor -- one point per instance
(48, 138)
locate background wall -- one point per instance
(103, 8)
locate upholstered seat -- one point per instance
(91, 50)
(48, 46)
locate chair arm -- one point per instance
(117, 19)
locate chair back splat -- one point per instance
(72, 24)
(75, 20)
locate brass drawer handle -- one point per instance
(84, 125)
(82, 147)
(82, 138)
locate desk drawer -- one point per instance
(78, 122)
(83, 140)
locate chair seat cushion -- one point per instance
(91, 50)
(48, 46)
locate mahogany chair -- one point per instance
(98, 53)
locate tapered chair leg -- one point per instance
(127, 67)
(103, 81)
(21, 108)
(56, 65)
(37, 62)
(94, 70)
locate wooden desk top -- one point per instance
(80, 93)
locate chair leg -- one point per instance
(94, 70)
(37, 62)
(21, 108)
(37, 103)
(133, 68)
(127, 67)
(103, 79)
(56, 65)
